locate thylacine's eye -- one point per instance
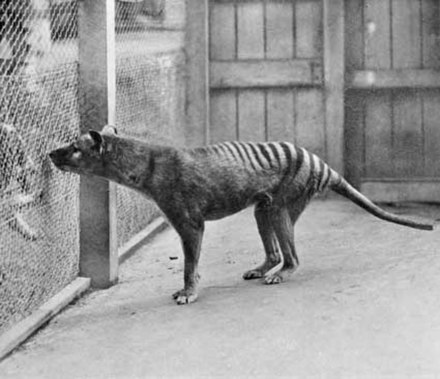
(76, 154)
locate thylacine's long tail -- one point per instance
(339, 185)
(329, 178)
(302, 167)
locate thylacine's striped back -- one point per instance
(294, 163)
(298, 166)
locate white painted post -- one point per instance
(97, 91)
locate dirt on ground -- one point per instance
(365, 302)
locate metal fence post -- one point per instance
(97, 87)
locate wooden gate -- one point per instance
(267, 73)
(355, 81)
(393, 107)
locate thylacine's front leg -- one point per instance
(267, 233)
(191, 234)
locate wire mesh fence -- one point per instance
(39, 111)
(149, 90)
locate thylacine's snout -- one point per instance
(54, 156)
(58, 158)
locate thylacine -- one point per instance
(192, 186)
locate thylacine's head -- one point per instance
(126, 161)
(86, 154)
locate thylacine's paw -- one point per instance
(253, 274)
(279, 276)
(276, 278)
(185, 296)
(262, 270)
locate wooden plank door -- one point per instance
(272, 76)
(393, 105)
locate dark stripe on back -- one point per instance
(229, 148)
(216, 149)
(256, 155)
(275, 153)
(237, 149)
(328, 177)
(235, 144)
(299, 161)
(288, 157)
(321, 172)
(243, 145)
(263, 150)
(312, 167)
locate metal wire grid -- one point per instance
(140, 15)
(38, 111)
(149, 91)
(150, 106)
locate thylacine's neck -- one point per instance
(137, 164)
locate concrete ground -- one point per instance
(364, 303)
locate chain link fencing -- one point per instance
(39, 111)
(149, 90)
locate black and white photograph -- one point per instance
(206, 189)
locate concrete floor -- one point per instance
(364, 303)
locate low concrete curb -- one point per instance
(140, 239)
(24, 329)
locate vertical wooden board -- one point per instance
(354, 137)
(309, 126)
(308, 28)
(250, 30)
(222, 31)
(378, 136)
(354, 35)
(279, 30)
(334, 75)
(197, 73)
(280, 115)
(251, 115)
(223, 124)
(431, 127)
(406, 48)
(377, 25)
(431, 34)
(408, 134)
(406, 34)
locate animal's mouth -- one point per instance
(58, 162)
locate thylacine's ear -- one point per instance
(96, 137)
(109, 130)
(99, 144)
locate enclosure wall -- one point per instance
(39, 111)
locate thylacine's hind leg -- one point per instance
(267, 233)
(283, 222)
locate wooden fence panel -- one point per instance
(223, 117)
(269, 61)
(280, 30)
(279, 67)
(310, 121)
(393, 58)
